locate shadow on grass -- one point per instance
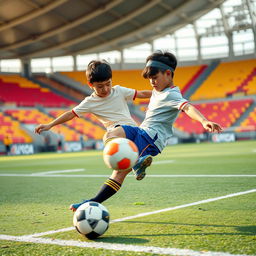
(245, 229)
(242, 230)
(122, 239)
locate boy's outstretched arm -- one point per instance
(59, 120)
(195, 114)
(144, 94)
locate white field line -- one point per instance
(151, 213)
(148, 175)
(52, 232)
(163, 162)
(53, 175)
(58, 171)
(185, 205)
(116, 247)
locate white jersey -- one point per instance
(163, 110)
(111, 110)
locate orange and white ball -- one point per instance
(120, 154)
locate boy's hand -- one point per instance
(211, 126)
(42, 127)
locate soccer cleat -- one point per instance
(73, 207)
(139, 169)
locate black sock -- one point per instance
(109, 188)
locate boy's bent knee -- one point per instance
(119, 176)
(117, 132)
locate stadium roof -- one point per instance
(46, 28)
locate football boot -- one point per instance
(73, 207)
(139, 169)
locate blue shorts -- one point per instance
(144, 143)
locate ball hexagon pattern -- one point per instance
(120, 154)
(91, 219)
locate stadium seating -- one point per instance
(34, 116)
(60, 87)
(78, 76)
(22, 92)
(83, 126)
(13, 130)
(249, 124)
(229, 78)
(251, 86)
(184, 77)
(225, 113)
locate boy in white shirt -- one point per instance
(109, 105)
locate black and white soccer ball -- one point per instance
(91, 219)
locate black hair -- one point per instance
(164, 57)
(98, 71)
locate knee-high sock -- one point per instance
(109, 188)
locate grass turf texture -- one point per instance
(37, 204)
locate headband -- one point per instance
(158, 64)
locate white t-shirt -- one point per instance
(111, 110)
(163, 109)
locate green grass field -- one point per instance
(182, 174)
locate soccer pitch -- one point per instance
(197, 199)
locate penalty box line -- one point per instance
(152, 212)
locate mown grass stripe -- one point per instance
(153, 212)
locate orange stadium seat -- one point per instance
(250, 86)
(249, 123)
(34, 116)
(225, 113)
(185, 76)
(78, 76)
(13, 130)
(227, 79)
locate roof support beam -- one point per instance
(228, 32)
(153, 24)
(62, 28)
(198, 41)
(99, 31)
(32, 15)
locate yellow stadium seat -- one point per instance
(225, 79)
